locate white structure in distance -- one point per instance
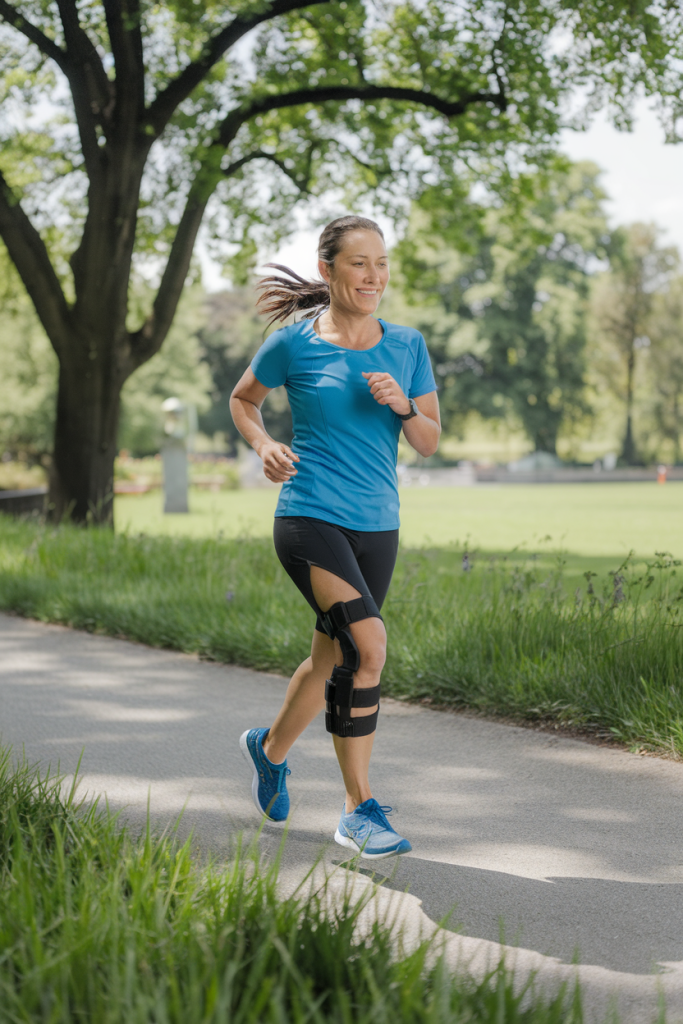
(179, 422)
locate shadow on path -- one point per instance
(560, 917)
(572, 846)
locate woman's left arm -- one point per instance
(422, 432)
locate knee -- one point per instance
(372, 647)
(350, 702)
(372, 661)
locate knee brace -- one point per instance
(340, 693)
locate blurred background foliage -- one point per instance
(230, 336)
(506, 316)
(542, 323)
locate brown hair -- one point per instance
(280, 296)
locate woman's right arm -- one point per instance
(245, 407)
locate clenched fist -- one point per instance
(278, 461)
(386, 391)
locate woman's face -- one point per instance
(359, 274)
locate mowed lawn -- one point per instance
(595, 520)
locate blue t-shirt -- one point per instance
(346, 442)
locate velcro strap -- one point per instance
(344, 612)
(362, 608)
(367, 696)
(341, 692)
(351, 726)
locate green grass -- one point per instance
(230, 513)
(99, 925)
(595, 520)
(519, 636)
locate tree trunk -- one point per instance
(546, 440)
(543, 426)
(676, 432)
(88, 403)
(628, 449)
(97, 358)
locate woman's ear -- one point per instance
(324, 270)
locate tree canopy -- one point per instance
(507, 322)
(634, 303)
(666, 366)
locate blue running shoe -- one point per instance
(269, 785)
(367, 831)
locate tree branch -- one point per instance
(259, 154)
(46, 45)
(80, 62)
(84, 58)
(341, 93)
(29, 255)
(91, 90)
(379, 172)
(165, 103)
(148, 340)
(125, 36)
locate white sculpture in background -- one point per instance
(179, 428)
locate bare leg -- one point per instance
(353, 752)
(305, 698)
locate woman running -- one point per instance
(353, 381)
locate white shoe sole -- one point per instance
(255, 781)
(351, 845)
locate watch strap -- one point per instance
(413, 410)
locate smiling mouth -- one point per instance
(362, 292)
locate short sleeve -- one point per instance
(271, 362)
(422, 382)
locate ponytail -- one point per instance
(281, 297)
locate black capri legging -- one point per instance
(364, 559)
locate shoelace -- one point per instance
(378, 815)
(281, 775)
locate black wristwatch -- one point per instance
(413, 410)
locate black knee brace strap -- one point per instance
(340, 693)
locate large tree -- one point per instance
(123, 121)
(506, 321)
(665, 330)
(624, 303)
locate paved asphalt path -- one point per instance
(574, 850)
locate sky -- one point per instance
(642, 176)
